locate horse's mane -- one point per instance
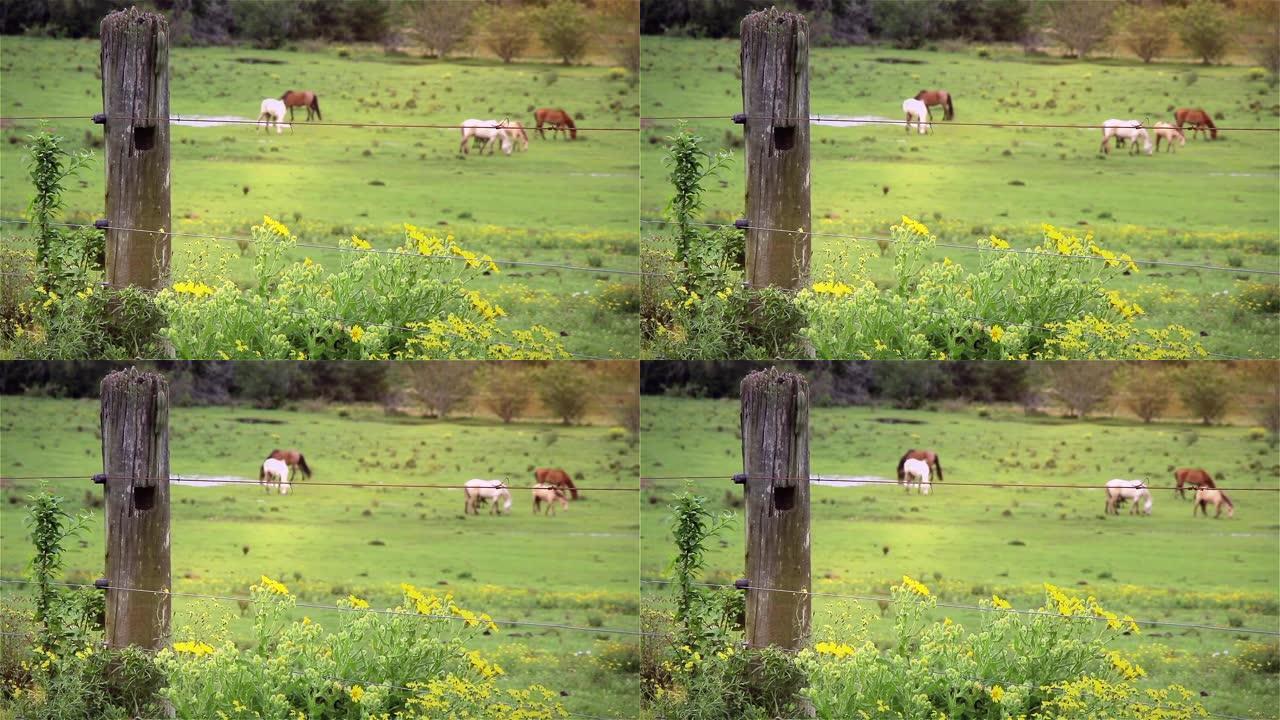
(903, 461)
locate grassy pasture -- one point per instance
(967, 543)
(563, 203)
(577, 568)
(1214, 203)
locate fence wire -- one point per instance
(338, 608)
(229, 481)
(871, 481)
(870, 120)
(978, 608)
(178, 119)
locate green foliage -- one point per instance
(62, 618)
(1044, 302)
(266, 23)
(1081, 25)
(371, 308)
(700, 612)
(564, 391)
(505, 29)
(563, 28)
(1055, 664)
(1205, 28)
(1146, 390)
(507, 391)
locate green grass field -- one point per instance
(1210, 203)
(563, 203)
(966, 543)
(577, 568)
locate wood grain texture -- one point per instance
(775, 99)
(135, 99)
(135, 458)
(775, 457)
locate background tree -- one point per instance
(1205, 29)
(1146, 389)
(1206, 390)
(1081, 25)
(1081, 387)
(909, 24)
(441, 386)
(1144, 29)
(442, 25)
(504, 29)
(563, 388)
(1262, 18)
(266, 23)
(564, 30)
(506, 389)
(621, 31)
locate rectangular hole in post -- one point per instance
(784, 498)
(144, 498)
(144, 138)
(784, 138)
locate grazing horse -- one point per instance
(302, 98)
(485, 131)
(483, 491)
(1199, 120)
(1125, 130)
(271, 112)
(295, 461)
(519, 138)
(557, 477)
(917, 470)
(548, 494)
(938, 97)
(558, 120)
(928, 456)
(1169, 133)
(918, 110)
(274, 472)
(1194, 477)
(1205, 495)
(1119, 491)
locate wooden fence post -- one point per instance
(775, 103)
(775, 461)
(135, 463)
(135, 101)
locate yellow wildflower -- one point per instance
(359, 244)
(915, 586)
(357, 332)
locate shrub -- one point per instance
(299, 669)
(1145, 30)
(1054, 664)
(506, 30)
(371, 308)
(1012, 308)
(563, 389)
(1205, 29)
(564, 30)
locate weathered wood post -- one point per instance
(775, 462)
(775, 104)
(135, 464)
(135, 103)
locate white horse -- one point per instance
(485, 490)
(486, 131)
(916, 109)
(275, 472)
(1132, 490)
(271, 112)
(916, 471)
(549, 494)
(1123, 130)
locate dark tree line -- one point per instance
(906, 24)
(903, 384)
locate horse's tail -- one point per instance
(573, 489)
(302, 463)
(315, 105)
(937, 465)
(573, 130)
(1213, 129)
(902, 461)
(950, 115)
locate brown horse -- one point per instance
(556, 477)
(293, 459)
(1195, 477)
(558, 120)
(1198, 119)
(1204, 496)
(302, 98)
(927, 456)
(938, 97)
